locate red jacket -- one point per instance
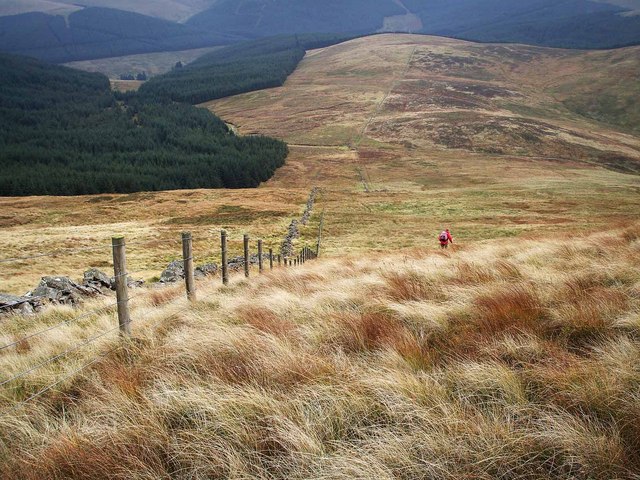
(449, 238)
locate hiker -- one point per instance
(445, 238)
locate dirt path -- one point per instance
(356, 144)
(361, 167)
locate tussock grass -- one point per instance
(516, 361)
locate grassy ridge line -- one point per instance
(499, 361)
(236, 69)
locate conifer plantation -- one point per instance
(64, 132)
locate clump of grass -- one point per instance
(410, 285)
(515, 307)
(361, 332)
(162, 296)
(265, 320)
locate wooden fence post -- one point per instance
(260, 264)
(271, 259)
(225, 264)
(279, 260)
(187, 257)
(246, 255)
(122, 293)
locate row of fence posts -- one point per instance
(120, 268)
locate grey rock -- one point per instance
(8, 299)
(97, 279)
(293, 232)
(173, 273)
(61, 290)
(132, 283)
(206, 270)
(10, 304)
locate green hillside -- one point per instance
(63, 132)
(98, 32)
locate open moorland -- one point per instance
(512, 355)
(511, 361)
(404, 135)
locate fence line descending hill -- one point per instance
(123, 301)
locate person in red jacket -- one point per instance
(445, 238)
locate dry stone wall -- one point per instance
(293, 232)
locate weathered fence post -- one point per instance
(260, 264)
(271, 259)
(122, 293)
(225, 265)
(246, 255)
(279, 260)
(187, 257)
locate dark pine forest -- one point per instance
(64, 132)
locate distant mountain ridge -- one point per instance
(564, 23)
(64, 32)
(98, 32)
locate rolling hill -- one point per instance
(404, 134)
(568, 23)
(514, 354)
(175, 10)
(98, 32)
(62, 31)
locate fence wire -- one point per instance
(52, 254)
(66, 377)
(59, 355)
(68, 322)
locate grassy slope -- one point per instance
(513, 355)
(500, 360)
(151, 63)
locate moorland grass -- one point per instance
(493, 361)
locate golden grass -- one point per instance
(353, 368)
(513, 354)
